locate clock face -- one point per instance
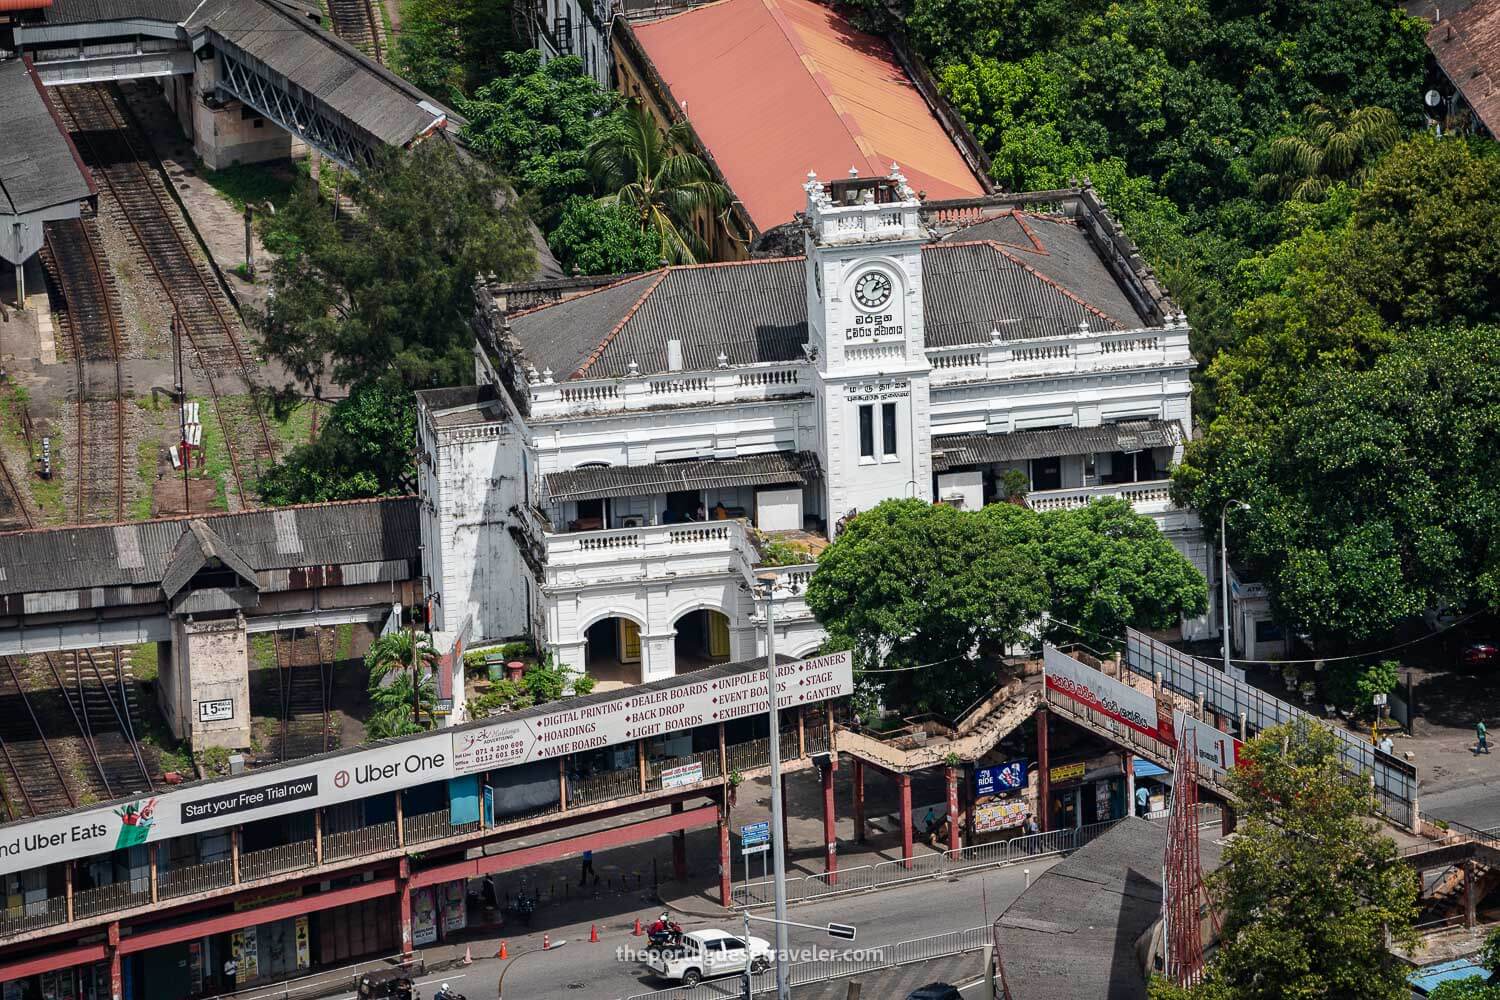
(872, 290)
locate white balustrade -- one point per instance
(659, 551)
(1081, 351)
(724, 385)
(1150, 497)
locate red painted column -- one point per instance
(859, 800)
(906, 851)
(1043, 776)
(679, 849)
(1226, 819)
(953, 844)
(116, 977)
(830, 835)
(724, 887)
(403, 881)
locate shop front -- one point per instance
(1086, 791)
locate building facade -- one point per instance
(635, 456)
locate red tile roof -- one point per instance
(776, 88)
(1467, 47)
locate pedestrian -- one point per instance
(231, 971)
(588, 869)
(1387, 745)
(1142, 800)
(1029, 824)
(1481, 732)
(929, 821)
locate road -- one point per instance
(1476, 805)
(606, 970)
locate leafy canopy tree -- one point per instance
(534, 124)
(1310, 887)
(449, 47)
(1371, 491)
(388, 287)
(909, 582)
(1477, 987)
(648, 171)
(364, 450)
(1331, 147)
(594, 238)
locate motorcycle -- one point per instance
(444, 993)
(524, 908)
(664, 934)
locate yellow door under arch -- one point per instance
(718, 634)
(630, 641)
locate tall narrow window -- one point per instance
(888, 428)
(867, 432)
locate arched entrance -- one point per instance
(702, 639)
(614, 655)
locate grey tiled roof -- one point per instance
(774, 468)
(88, 11)
(756, 311)
(335, 72)
(37, 165)
(114, 555)
(955, 451)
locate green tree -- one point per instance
(1331, 147)
(352, 302)
(1310, 887)
(449, 47)
(1353, 684)
(364, 450)
(908, 582)
(534, 124)
(397, 663)
(1474, 988)
(1108, 567)
(594, 238)
(649, 172)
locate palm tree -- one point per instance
(1332, 147)
(397, 653)
(648, 171)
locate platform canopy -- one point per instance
(41, 176)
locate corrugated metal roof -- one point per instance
(1466, 44)
(756, 311)
(774, 468)
(775, 88)
(955, 451)
(365, 531)
(328, 68)
(89, 11)
(38, 166)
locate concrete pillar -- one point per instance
(204, 688)
(112, 948)
(679, 849)
(403, 881)
(1227, 819)
(859, 800)
(830, 832)
(724, 887)
(658, 655)
(952, 773)
(1470, 902)
(1127, 761)
(906, 847)
(1043, 777)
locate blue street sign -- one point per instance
(1007, 777)
(755, 833)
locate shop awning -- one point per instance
(777, 468)
(955, 451)
(1145, 769)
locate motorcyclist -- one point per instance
(661, 924)
(445, 992)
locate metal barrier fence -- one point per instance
(190, 879)
(923, 866)
(851, 962)
(105, 898)
(1394, 781)
(361, 840)
(275, 860)
(436, 825)
(33, 916)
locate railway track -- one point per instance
(14, 514)
(356, 22)
(118, 158)
(34, 780)
(91, 320)
(305, 686)
(101, 695)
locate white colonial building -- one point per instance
(638, 449)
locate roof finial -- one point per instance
(994, 334)
(723, 360)
(635, 369)
(546, 376)
(1083, 326)
(853, 171)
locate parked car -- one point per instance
(706, 954)
(1479, 655)
(935, 991)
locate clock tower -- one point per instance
(863, 243)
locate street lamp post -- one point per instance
(778, 849)
(1224, 567)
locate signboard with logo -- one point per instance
(244, 951)
(755, 833)
(1215, 751)
(424, 917)
(683, 774)
(1087, 686)
(649, 713)
(999, 815)
(1066, 772)
(217, 710)
(303, 936)
(1007, 777)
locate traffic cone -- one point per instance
(468, 955)
(502, 954)
(593, 933)
(637, 932)
(546, 941)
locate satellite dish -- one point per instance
(1433, 98)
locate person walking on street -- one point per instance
(1387, 745)
(588, 869)
(1483, 746)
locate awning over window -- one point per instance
(955, 451)
(779, 468)
(1146, 769)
